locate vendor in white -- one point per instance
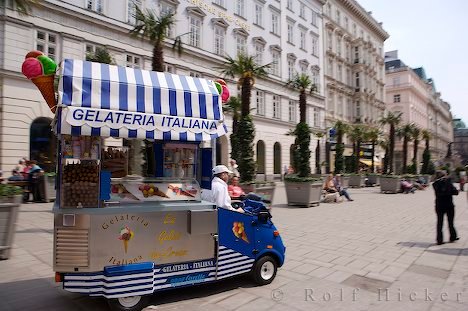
(219, 188)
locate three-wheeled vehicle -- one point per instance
(123, 236)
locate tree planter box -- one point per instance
(356, 181)
(344, 181)
(389, 184)
(49, 188)
(303, 193)
(267, 191)
(8, 216)
(373, 179)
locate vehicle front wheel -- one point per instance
(132, 303)
(264, 270)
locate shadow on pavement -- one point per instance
(205, 290)
(292, 206)
(416, 244)
(43, 295)
(451, 251)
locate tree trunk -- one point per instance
(317, 158)
(246, 91)
(405, 154)
(157, 62)
(415, 154)
(358, 155)
(302, 106)
(391, 148)
(373, 154)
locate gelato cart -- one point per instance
(123, 236)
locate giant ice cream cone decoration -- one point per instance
(125, 235)
(40, 69)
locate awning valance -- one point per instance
(111, 101)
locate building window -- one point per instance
(169, 68)
(219, 40)
(133, 61)
(195, 74)
(313, 18)
(240, 7)
(356, 54)
(346, 23)
(315, 78)
(166, 9)
(396, 98)
(354, 30)
(220, 3)
(241, 44)
(194, 30)
(276, 107)
(302, 9)
(289, 4)
(291, 71)
(258, 14)
(329, 40)
(277, 158)
(276, 64)
(338, 45)
(339, 73)
(348, 77)
(358, 110)
(94, 5)
(131, 11)
(290, 33)
(314, 45)
(259, 53)
(338, 17)
(47, 43)
(340, 106)
(260, 103)
(316, 121)
(292, 111)
(304, 69)
(275, 23)
(330, 68)
(303, 39)
(357, 80)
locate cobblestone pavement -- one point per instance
(376, 253)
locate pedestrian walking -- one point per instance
(444, 192)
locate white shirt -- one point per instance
(220, 195)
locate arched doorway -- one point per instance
(277, 158)
(42, 144)
(260, 157)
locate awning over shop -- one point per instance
(369, 162)
(111, 101)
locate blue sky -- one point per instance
(431, 34)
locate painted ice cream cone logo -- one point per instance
(239, 231)
(125, 235)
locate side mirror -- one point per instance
(263, 216)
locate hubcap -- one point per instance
(129, 302)
(267, 270)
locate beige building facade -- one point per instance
(410, 92)
(287, 34)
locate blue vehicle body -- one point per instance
(236, 253)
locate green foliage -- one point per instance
(23, 7)
(302, 151)
(9, 191)
(101, 55)
(246, 134)
(350, 164)
(235, 147)
(297, 178)
(426, 160)
(411, 169)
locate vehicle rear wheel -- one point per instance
(132, 303)
(264, 270)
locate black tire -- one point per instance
(264, 270)
(129, 303)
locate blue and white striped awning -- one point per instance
(110, 101)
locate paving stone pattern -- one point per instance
(376, 253)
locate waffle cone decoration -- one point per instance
(125, 242)
(41, 70)
(45, 84)
(239, 231)
(126, 234)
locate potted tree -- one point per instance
(356, 134)
(247, 70)
(301, 188)
(388, 182)
(372, 136)
(10, 200)
(427, 168)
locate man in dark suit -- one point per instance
(444, 190)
